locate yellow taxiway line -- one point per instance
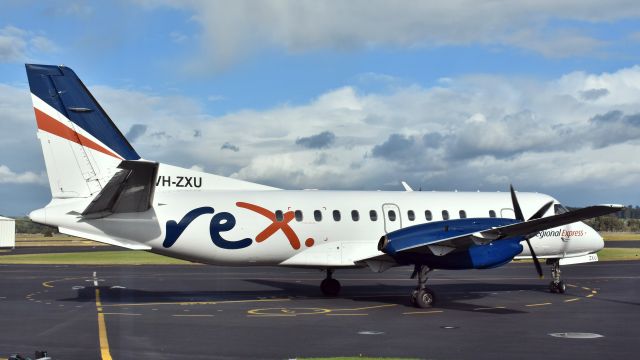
(102, 330)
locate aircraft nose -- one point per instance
(596, 241)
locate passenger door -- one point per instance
(392, 219)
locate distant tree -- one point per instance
(24, 225)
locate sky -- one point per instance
(459, 95)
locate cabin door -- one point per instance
(392, 218)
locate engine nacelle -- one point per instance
(400, 244)
(487, 256)
(494, 254)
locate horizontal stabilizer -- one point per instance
(127, 244)
(130, 190)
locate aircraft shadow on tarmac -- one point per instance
(462, 297)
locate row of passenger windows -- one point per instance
(373, 215)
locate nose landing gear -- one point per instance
(556, 285)
(330, 286)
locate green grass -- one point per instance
(613, 254)
(132, 257)
(619, 236)
(53, 241)
(355, 358)
(92, 258)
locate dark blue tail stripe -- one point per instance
(61, 88)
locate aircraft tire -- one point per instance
(413, 298)
(330, 287)
(558, 288)
(561, 287)
(425, 298)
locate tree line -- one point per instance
(626, 220)
(24, 225)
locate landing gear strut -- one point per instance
(556, 285)
(422, 296)
(330, 286)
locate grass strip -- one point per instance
(354, 358)
(131, 257)
(619, 236)
(616, 254)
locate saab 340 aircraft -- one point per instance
(104, 191)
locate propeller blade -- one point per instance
(535, 259)
(542, 211)
(516, 205)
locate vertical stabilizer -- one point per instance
(81, 145)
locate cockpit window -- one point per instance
(559, 209)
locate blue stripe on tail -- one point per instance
(61, 88)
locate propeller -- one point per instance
(537, 215)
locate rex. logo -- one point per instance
(224, 221)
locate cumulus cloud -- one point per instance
(231, 30)
(7, 176)
(229, 146)
(395, 147)
(19, 45)
(594, 94)
(135, 132)
(466, 133)
(317, 141)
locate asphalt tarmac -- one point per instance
(205, 312)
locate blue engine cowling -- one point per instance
(399, 243)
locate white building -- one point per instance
(7, 233)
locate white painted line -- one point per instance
(128, 314)
(542, 304)
(422, 312)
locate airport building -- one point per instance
(7, 233)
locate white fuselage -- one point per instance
(303, 241)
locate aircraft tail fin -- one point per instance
(82, 147)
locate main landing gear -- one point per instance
(330, 286)
(556, 285)
(422, 296)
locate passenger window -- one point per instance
(355, 216)
(427, 215)
(411, 215)
(445, 215)
(373, 215)
(317, 214)
(336, 215)
(392, 215)
(279, 216)
(298, 214)
(492, 213)
(463, 214)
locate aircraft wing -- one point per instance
(443, 237)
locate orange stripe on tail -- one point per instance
(53, 126)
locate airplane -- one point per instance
(104, 191)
